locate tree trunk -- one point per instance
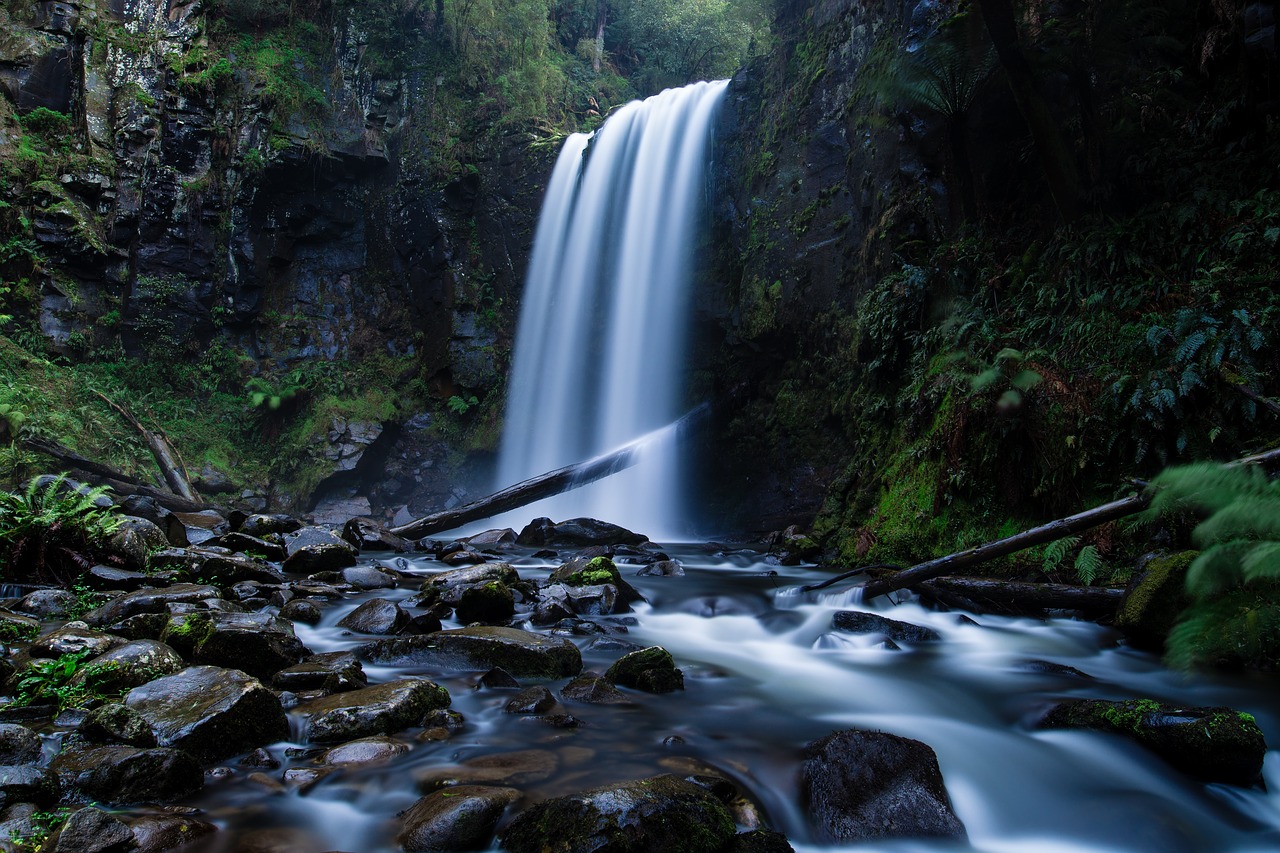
(119, 481)
(1014, 598)
(162, 451)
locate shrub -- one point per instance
(47, 528)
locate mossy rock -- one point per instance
(491, 602)
(595, 572)
(522, 653)
(652, 670)
(383, 709)
(1153, 603)
(662, 813)
(1213, 744)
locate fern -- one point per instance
(1089, 564)
(1056, 552)
(50, 516)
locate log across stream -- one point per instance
(765, 673)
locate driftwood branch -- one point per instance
(543, 486)
(1050, 532)
(162, 451)
(1014, 597)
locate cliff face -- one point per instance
(167, 196)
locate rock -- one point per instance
(91, 830)
(257, 643)
(316, 549)
(129, 666)
(262, 525)
(74, 638)
(448, 586)
(18, 745)
(210, 712)
(47, 603)
(576, 532)
(522, 767)
(149, 601)
(1154, 601)
(331, 672)
(583, 572)
(498, 679)
(531, 700)
(335, 510)
(490, 603)
(17, 628)
(459, 818)
(225, 570)
(302, 610)
(858, 622)
(243, 543)
(651, 669)
(594, 689)
(663, 569)
(368, 577)
(116, 723)
(521, 653)
(376, 616)
(124, 774)
(492, 538)
(26, 784)
(369, 535)
(381, 709)
(759, 841)
(155, 833)
(364, 752)
(108, 577)
(1212, 744)
(858, 784)
(134, 539)
(661, 813)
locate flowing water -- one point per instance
(599, 352)
(765, 675)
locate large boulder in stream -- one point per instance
(462, 817)
(661, 813)
(576, 533)
(652, 670)
(117, 774)
(149, 601)
(480, 593)
(1155, 600)
(383, 709)
(858, 785)
(1213, 744)
(210, 712)
(481, 648)
(257, 643)
(860, 622)
(317, 549)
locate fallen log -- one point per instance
(167, 459)
(1017, 598)
(544, 485)
(1045, 533)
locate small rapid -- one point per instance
(764, 675)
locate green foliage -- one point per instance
(275, 395)
(47, 680)
(49, 519)
(43, 825)
(460, 405)
(1235, 580)
(944, 74)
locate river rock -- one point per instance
(459, 818)
(369, 535)
(652, 670)
(109, 577)
(759, 841)
(262, 525)
(257, 643)
(149, 601)
(448, 586)
(531, 700)
(154, 833)
(125, 774)
(26, 784)
(487, 603)
(74, 638)
(134, 539)
(1155, 600)
(369, 577)
(595, 689)
(521, 653)
(317, 549)
(47, 603)
(302, 610)
(365, 752)
(330, 672)
(521, 767)
(211, 712)
(226, 569)
(376, 616)
(91, 830)
(857, 785)
(1213, 744)
(496, 538)
(661, 813)
(858, 622)
(18, 745)
(576, 532)
(662, 569)
(381, 709)
(129, 666)
(253, 546)
(116, 723)
(595, 571)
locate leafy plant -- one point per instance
(51, 679)
(273, 396)
(51, 523)
(1234, 583)
(43, 825)
(460, 406)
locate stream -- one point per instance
(765, 675)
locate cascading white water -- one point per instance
(600, 345)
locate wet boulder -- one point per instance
(1155, 600)
(212, 566)
(154, 833)
(257, 643)
(364, 752)
(328, 672)
(74, 638)
(488, 603)
(368, 577)
(858, 622)
(91, 830)
(531, 700)
(858, 785)
(129, 666)
(264, 525)
(594, 689)
(210, 712)
(109, 577)
(498, 538)
(149, 601)
(661, 813)
(47, 603)
(759, 841)
(596, 571)
(18, 745)
(26, 784)
(662, 569)
(124, 774)
(317, 549)
(134, 539)
(1212, 744)
(252, 546)
(651, 669)
(450, 587)
(459, 818)
(481, 648)
(576, 532)
(116, 724)
(369, 535)
(382, 709)
(302, 610)
(376, 616)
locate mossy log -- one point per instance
(1013, 597)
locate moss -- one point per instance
(1155, 603)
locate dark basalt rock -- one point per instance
(1213, 744)
(595, 571)
(662, 569)
(210, 712)
(134, 539)
(489, 603)
(651, 669)
(116, 723)
(155, 833)
(317, 549)
(858, 622)
(364, 752)
(332, 672)
(263, 525)
(459, 818)
(73, 638)
(376, 616)
(595, 689)
(149, 601)
(302, 610)
(243, 543)
(124, 774)
(662, 813)
(448, 586)
(18, 745)
(859, 784)
(576, 532)
(109, 577)
(521, 653)
(368, 577)
(759, 841)
(381, 709)
(47, 603)
(1155, 600)
(257, 643)
(26, 784)
(228, 569)
(531, 700)
(129, 666)
(368, 535)
(91, 830)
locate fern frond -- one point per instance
(1188, 348)
(1217, 569)
(1089, 564)
(1241, 627)
(1253, 518)
(1055, 552)
(1261, 562)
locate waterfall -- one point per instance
(600, 346)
